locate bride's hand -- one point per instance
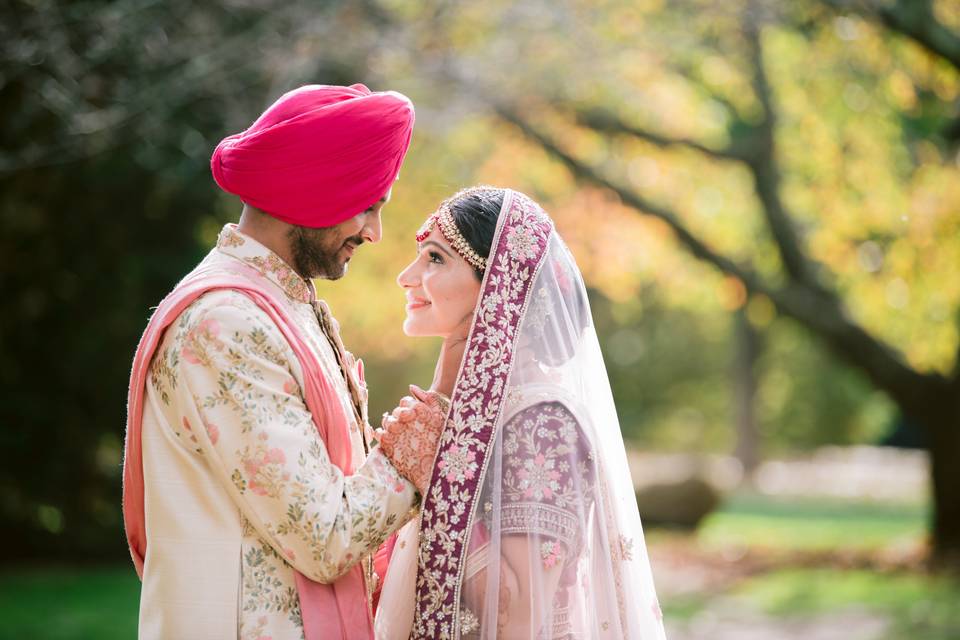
(402, 413)
(410, 435)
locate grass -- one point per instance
(751, 520)
(917, 607)
(812, 591)
(69, 604)
(920, 607)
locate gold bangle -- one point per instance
(442, 400)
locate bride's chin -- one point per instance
(413, 329)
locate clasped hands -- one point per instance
(411, 433)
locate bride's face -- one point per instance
(441, 289)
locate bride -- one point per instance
(529, 527)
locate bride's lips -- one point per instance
(417, 303)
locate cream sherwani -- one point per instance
(239, 489)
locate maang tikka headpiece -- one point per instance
(448, 226)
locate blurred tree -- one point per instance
(748, 345)
(108, 111)
(840, 228)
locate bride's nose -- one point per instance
(409, 277)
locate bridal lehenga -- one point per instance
(529, 528)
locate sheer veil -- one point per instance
(530, 527)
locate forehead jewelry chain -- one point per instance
(448, 227)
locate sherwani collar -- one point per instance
(236, 244)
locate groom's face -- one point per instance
(325, 253)
(441, 288)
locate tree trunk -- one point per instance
(747, 345)
(944, 434)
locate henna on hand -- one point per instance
(411, 433)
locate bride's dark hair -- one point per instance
(475, 212)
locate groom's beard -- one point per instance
(319, 253)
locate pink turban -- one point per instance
(319, 155)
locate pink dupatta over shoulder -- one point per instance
(336, 610)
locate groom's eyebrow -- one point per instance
(382, 200)
(437, 245)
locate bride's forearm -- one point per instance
(528, 608)
(526, 589)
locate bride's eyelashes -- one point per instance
(435, 257)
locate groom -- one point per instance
(253, 502)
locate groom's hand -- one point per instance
(410, 435)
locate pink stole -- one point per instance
(336, 610)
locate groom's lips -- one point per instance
(351, 245)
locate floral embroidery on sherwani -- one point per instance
(270, 264)
(229, 387)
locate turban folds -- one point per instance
(319, 155)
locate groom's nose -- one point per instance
(372, 227)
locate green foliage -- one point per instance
(108, 114)
(668, 366)
(808, 399)
(93, 235)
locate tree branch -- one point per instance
(911, 18)
(952, 131)
(689, 73)
(589, 174)
(809, 306)
(916, 20)
(826, 317)
(955, 374)
(607, 122)
(765, 168)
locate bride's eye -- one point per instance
(435, 257)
